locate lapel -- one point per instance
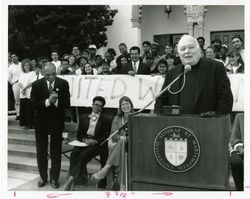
(45, 87)
(98, 125)
(56, 85)
(201, 77)
(140, 67)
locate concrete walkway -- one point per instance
(22, 181)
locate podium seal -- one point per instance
(176, 149)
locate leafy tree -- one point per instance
(36, 30)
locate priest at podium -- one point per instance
(205, 88)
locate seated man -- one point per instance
(93, 129)
(237, 151)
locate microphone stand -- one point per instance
(142, 109)
(118, 130)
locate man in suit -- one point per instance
(93, 129)
(49, 97)
(206, 86)
(135, 66)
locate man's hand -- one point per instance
(116, 138)
(20, 85)
(90, 141)
(53, 97)
(131, 72)
(23, 91)
(240, 149)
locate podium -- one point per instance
(174, 153)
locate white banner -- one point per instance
(237, 87)
(140, 88)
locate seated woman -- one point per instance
(237, 151)
(117, 143)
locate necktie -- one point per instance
(50, 87)
(134, 66)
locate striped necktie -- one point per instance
(50, 87)
(134, 66)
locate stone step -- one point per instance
(17, 129)
(29, 150)
(20, 138)
(12, 121)
(29, 164)
(22, 150)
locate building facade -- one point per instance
(134, 24)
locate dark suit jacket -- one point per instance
(143, 69)
(212, 91)
(51, 117)
(102, 129)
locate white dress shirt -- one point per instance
(26, 79)
(135, 65)
(92, 123)
(14, 72)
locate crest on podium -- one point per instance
(176, 148)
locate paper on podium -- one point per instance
(77, 143)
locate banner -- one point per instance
(140, 88)
(237, 87)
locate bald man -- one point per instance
(206, 87)
(49, 97)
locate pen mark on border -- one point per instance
(58, 195)
(163, 193)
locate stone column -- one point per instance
(136, 21)
(190, 28)
(201, 28)
(195, 15)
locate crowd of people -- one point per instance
(26, 77)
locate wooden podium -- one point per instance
(206, 149)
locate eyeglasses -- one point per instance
(98, 105)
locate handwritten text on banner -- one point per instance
(140, 88)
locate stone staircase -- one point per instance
(22, 151)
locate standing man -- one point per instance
(147, 51)
(201, 41)
(124, 52)
(14, 71)
(92, 53)
(93, 129)
(238, 46)
(76, 52)
(49, 97)
(55, 59)
(206, 88)
(135, 66)
(155, 50)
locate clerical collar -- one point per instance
(196, 65)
